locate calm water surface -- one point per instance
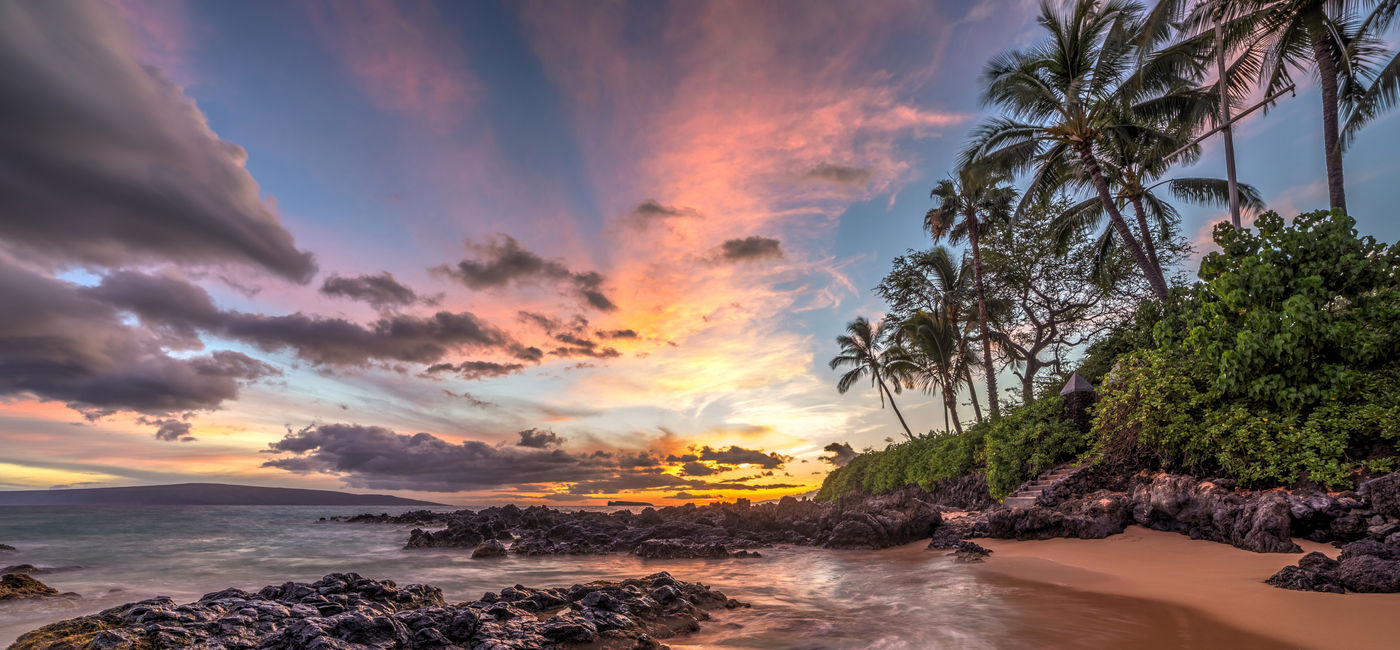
(802, 598)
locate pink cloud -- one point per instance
(402, 54)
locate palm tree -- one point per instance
(954, 291)
(861, 352)
(933, 352)
(1064, 95)
(977, 198)
(1383, 88)
(1328, 36)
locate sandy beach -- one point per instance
(1219, 581)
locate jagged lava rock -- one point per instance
(346, 611)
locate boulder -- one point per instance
(1383, 493)
(490, 548)
(18, 586)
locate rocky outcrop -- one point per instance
(1383, 493)
(1213, 510)
(344, 610)
(1093, 516)
(6, 548)
(716, 530)
(1364, 566)
(410, 518)
(19, 586)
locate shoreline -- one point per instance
(1216, 580)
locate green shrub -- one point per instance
(1028, 441)
(922, 461)
(1292, 316)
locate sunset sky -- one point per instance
(478, 252)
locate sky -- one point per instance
(487, 252)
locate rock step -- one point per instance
(1020, 502)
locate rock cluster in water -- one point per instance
(343, 611)
(689, 531)
(20, 586)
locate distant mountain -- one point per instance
(200, 494)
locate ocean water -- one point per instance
(905, 597)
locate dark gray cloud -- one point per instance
(652, 211)
(378, 458)
(474, 370)
(841, 454)
(104, 162)
(750, 249)
(59, 342)
(732, 455)
(578, 346)
(616, 334)
(539, 439)
(840, 174)
(170, 429)
(380, 291)
(697, 469)
(503, 261)
(180, 308)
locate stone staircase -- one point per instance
(1031, 490)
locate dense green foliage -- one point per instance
(1281, 367)
(922, 462)
(1028, 441)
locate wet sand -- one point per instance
(1215, 580)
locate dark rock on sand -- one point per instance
(1364, 566)
(490, 548)
(18, 586)
(966, 551)
(343, 611)
(1315, 572)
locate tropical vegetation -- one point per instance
(1279, 365)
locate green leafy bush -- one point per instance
(1028, 441)
(1293, 315)
(922, 461)
(1281, 366)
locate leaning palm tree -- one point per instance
(933, 353)
(861, 351)
(976, 199)
(1064, 95)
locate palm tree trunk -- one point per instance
(1327, 71)
(946, 428)
(988, 369)
(972, 392)
(1147, 243)
(950, 402)
(1154, 275)
(909, 434)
